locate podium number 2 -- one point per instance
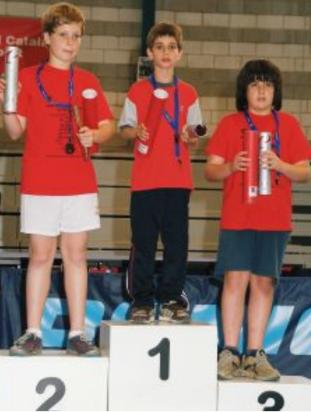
(163, 349)
(277, 397)
(60, 390)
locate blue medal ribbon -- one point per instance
(172, 121)
(69, 147)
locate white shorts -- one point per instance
(52, 215)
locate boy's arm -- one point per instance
(217, 169)
(15, 125)
(131, 133)
(298, 172)
(105, 130)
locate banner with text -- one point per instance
(26, 33)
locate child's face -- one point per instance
(260, 96)
(165, 53)
(64, 44)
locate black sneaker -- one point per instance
(142, 314)
(28, 344)
(174, 312)
(80, 346)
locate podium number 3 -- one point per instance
(163, 349)
(59, 393)
(277, 397)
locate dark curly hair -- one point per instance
(262, 70)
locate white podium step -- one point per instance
(291, 393)
(160, 366)
(53, 381)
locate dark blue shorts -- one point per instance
(259, 252)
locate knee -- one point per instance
(262, 285)
(75, 257)
(41, 258)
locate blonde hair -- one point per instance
(61, 13)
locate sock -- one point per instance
(74, 333)
(233, 349)
(35, 331)
(251, 352)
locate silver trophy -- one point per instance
(12, 54)
(265, 139)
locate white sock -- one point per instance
(35, 331)
(74, 333)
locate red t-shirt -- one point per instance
(271, 212)
(161, 168)
(46, 168)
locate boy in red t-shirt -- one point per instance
(58, 186)
(253, 236)
(161, 181)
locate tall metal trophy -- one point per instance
(12, 54)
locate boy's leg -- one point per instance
(255, 363)
(232, 313)
(174, 235)
(73, 248)
(146, 210)
(268, 256)
(41, 255)
(232, 305)
(259, 309)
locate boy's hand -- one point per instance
(86, 136)
(2, 88)
(270, 160)
(240, 162)
(142, 132)
(186, 138)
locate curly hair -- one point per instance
(254, 70)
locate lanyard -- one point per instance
(172, 121)
(277, 140)
(69, 147)
(44, 94)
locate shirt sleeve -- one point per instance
(129, 114)
(299, 146)
(218, 143)
(194, 115)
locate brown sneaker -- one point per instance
(142, 314)
(258, 367)
(80, 346)
(228, 365)
(28, 344)
(174, 312)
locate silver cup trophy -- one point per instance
(12, 54)
(264, 173)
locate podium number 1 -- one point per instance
(163, 349)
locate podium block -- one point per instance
(160, 366)
(289, 394)
(53, 381)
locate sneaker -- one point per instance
(80, 346)
(142, 314)
(174, 312)
(258, 367)
(28, 344)
(228, 365)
